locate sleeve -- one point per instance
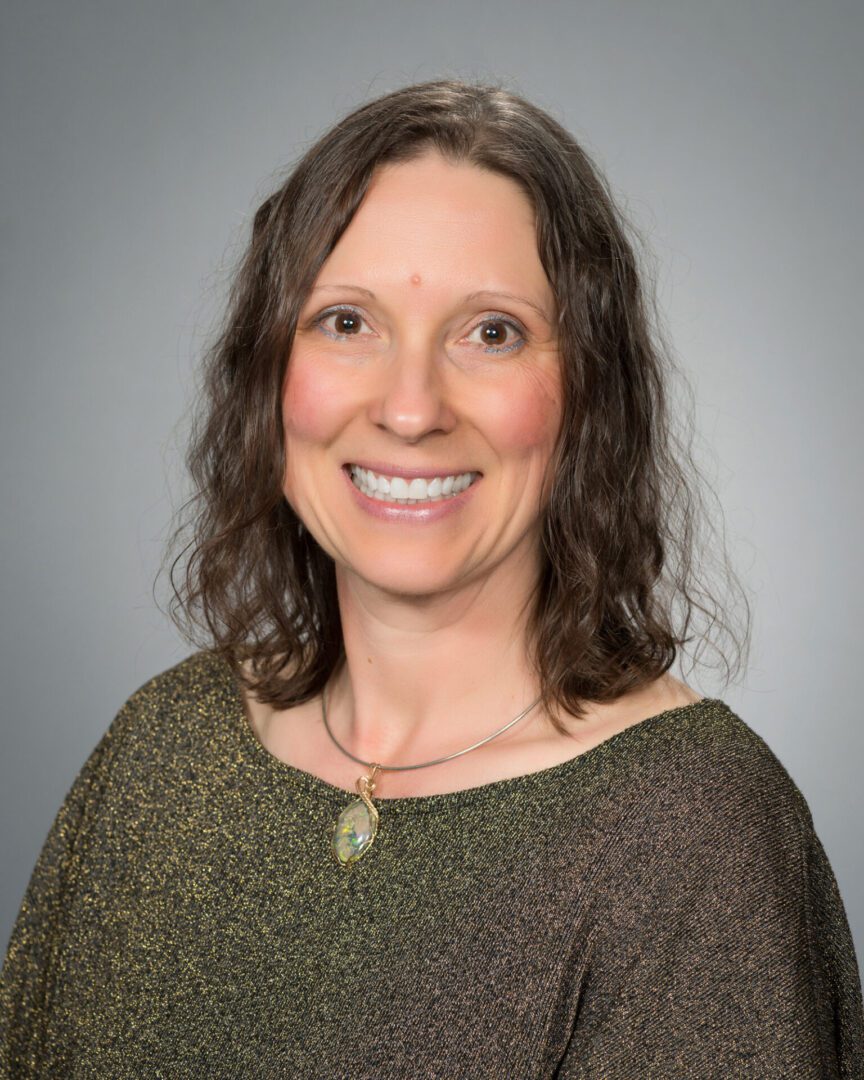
(723, 949)
(35, 943)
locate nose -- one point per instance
(412, 399)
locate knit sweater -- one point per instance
(658, 906)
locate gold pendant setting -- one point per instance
(357, 825)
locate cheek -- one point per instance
(310, 404)
(309, 421)
(526, 422)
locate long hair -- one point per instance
(625, 539)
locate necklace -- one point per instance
(357, 825)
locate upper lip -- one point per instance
(409, 474)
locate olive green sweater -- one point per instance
(658, 906)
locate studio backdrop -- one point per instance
(138, 138)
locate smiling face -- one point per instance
(422, 397)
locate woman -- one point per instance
(427, 802)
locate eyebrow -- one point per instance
(471, 296)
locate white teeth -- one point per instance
(399, 490)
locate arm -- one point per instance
(36, 940)
(724, 950)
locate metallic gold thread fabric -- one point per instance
(658, 906)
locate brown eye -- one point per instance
(344, 322)
(494, 333)
(499, 335)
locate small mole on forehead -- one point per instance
(415, 279)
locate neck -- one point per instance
(424, 677)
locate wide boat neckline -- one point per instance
(539, 778)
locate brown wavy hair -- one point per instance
(626, 540)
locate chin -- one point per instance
(403, 581)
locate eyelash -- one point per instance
(493, 317)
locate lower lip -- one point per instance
(418, 513)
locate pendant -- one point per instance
(357, 825)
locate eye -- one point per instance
(347, 322)
(494, 333)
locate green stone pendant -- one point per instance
(357, 825)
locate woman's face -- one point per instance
(422, 398)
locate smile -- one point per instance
(398, 489)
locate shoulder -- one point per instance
(715, 919)
(703, 754)
(153, 736)
(703, 796)
(174, 708)
(172, 736)
(202, 676)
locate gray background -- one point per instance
(136, 141)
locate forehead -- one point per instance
(444, 224)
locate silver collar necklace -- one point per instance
(357, 825)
